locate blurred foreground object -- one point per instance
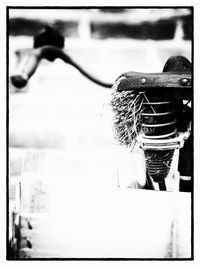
(148, 110)
(75, 221)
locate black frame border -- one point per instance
(7, 134)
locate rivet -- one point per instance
(184, 81)
(143, 81)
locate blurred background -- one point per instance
(60, 124)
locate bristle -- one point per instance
(127, 108)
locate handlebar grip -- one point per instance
(30, 61)
(26, 69)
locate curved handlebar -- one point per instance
(30, 61)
